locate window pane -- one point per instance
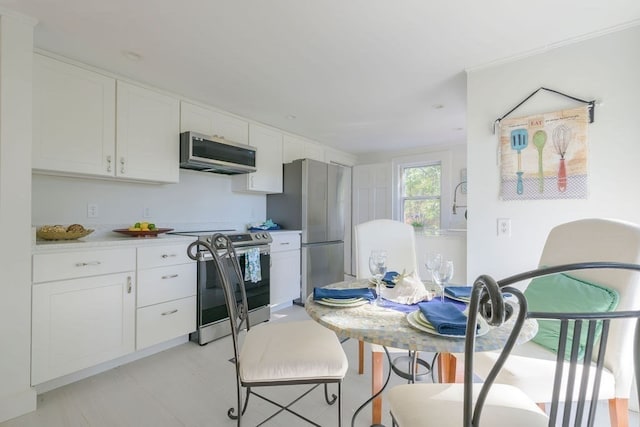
(426, 212)
(421, 181)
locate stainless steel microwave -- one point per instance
(214, 154)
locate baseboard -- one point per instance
(88, 372)
(17, 404)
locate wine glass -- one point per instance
(442, 273)
(377, 267)
(433, 259)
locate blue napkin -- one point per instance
(388, 278)
(445, 317)
(366, 293)
(459, 291)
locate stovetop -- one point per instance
(239, 238)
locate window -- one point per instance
(420, 198)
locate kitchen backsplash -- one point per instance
(198, 200)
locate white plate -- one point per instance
(342, 300)
(331, 303)
(461, 299)
(416, 319)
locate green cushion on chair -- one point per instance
(563, 293)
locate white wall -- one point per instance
(606, 68)
(199, 198)
(456, 161)
(16, 45)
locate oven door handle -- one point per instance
(206, 256)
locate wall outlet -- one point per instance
(504, 227)
(92, 210)
(146, 213)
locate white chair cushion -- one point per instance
(535, 374)
(290, 351)
(440, 405)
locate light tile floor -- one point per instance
(192, 385)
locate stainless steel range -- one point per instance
(212, 311)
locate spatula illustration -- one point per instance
(539, 139)
(519, 141)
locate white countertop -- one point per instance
(106, 241)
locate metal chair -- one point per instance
(273, 354)
(491, 404)
(531, 367)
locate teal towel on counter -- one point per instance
(445, 317)
(252, 270)
(366, 293)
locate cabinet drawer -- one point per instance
(68, 265)
(158, 256)
(285, 242)
(166, 283)
(162, 322)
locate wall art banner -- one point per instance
(545, 156)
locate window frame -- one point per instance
(402, 198)
(399, 163)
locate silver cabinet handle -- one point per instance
(108, 163)
(166, 313)
(170, 276)
(129, 286)
(285, 243)
(168, 255)
(84, 264)
(121, 164)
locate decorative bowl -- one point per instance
(62, 235)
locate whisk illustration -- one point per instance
(561, 139)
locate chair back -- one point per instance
(231, 280)
(395, 237)
(596, 239)
(577, 330)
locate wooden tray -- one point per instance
(150, 233)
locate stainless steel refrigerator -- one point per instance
(313, 200)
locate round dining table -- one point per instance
(387, 325)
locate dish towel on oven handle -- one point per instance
(252, 265)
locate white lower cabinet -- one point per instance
(82, 322)
(166, 304)
(92, 306)
(285, 268)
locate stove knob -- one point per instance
(220, 242)
(258, 236)
(265, 235)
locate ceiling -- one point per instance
(358, 75)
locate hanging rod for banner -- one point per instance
(592, 105)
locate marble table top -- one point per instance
(389, 327)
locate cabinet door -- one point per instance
(210, 122)
(268, 177)
(80, 323)
(148, 131)
(73, 119)
(297, 148)
(284, 277)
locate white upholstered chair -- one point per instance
(398, 239)
(490, 403)
(531, 366)
(273, 354)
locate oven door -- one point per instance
(212, 307)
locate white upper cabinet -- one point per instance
(147, 138)
(75, 130)
(268, 177)
(299, 148)
(209, 122)
(74, 120)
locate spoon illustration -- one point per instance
(539, 139)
